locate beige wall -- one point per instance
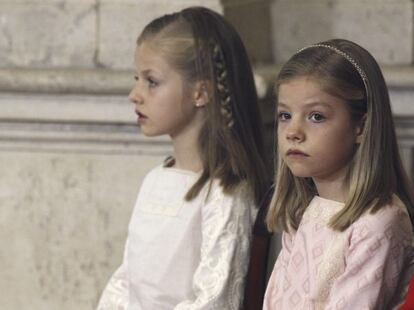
(384, 27)
(72, 158)
(78, 33)
(63, 225)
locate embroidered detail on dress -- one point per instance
(320, 213)
(332, 264)
(221, 276)
(115, 295)
(331, 267)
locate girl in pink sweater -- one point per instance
(342, 198)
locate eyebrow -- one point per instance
(146, 71)
(308, 105)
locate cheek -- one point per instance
(338, 147)
(279, 140)
(169, 100)
(344, 138)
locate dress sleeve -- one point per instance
(279, 271)
(116, 293)
(218, 281)
(379, 250)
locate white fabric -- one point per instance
(183, 255)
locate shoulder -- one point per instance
(240, 193)
(160, 168)
(168, 182)
(156, 170)
(391, 222)
(238, 203)
(165, 173)
(153, 173)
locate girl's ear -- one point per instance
(201, 94)
(359, 129)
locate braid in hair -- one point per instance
(222, 85)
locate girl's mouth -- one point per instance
(141, 117)
(296, 153)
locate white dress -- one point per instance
(183, 254)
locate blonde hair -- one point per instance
(375, 172)
(202, 46)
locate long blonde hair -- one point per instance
(347, 71)
(202, 46)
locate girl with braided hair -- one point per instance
(189, 236)
(342, 198)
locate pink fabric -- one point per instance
(368, 266)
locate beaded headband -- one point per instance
(343, 54)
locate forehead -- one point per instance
(306, 91)
(148, 58)
(298, 88)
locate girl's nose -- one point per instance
(295, 132)
(134, 95)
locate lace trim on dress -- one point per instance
(219, 280)
(333, 263)
(115, 295)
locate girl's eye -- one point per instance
(151, 82)
(317, 117)
(283, 116)
(136, 77)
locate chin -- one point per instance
(149, 133)
(300, 172)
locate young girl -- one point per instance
(189, 235)
(342, 198)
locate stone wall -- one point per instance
(78, 33)
(384, 27)
(72, 158)
(63, 224)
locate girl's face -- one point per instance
(162, 101)
(316, 136)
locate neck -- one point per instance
(186, 151)
(186, 157)
(332, 189)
